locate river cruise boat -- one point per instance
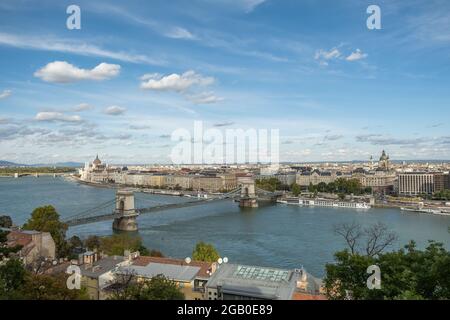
(325, 203)
(439, 211)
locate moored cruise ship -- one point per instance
(325, 203)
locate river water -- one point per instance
(272, 235)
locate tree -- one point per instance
(406, 274)
(46, 219)
(118, 243)
(322, 187)
(12, 277)
(371, 240)
(46, 287)
(295, 188)
(92, 242)
(156, 253)
(5, 222)
(205, 252)
(6, 250)
(270, 184)
(74, 244)
(157, 288)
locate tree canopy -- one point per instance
(205, 252)
(156, 288)
(408, 273)
(5, 222)
(17, 283)
(46, 219)
(341, 186)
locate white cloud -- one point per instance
(357, 55)
(82, 107)
(205, 98)
(114, 110)
(250, 5)
(64, 72)
(5, 94)
(175, 82)
(246, 5)
(327, 55)
(56, 116)
(70, 46)
(179, 33)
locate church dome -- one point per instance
(384, 157)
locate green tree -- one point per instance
(46, 287)
(271, 184)
(322, 187)
(118, 243)
(6, 250)
(205, 252)
(406, 274)
(5, 222)
(46, 219)
(157, 288)
(92, 242)
(295, 188)
(75, 242)
(12, 277)
(156, 253)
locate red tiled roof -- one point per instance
(305, 296)
(18, 238)
(204, 266)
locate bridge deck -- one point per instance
(86, 218)
(111, 216)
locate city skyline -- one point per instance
(133, 74)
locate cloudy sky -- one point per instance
(138, 70)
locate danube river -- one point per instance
(273, 235)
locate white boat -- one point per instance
(426, 210)
(325, 203)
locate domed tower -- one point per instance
(97, 161)
(383, 164)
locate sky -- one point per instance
(138, 70)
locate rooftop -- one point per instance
(101, 266)
(204, 267)
(264, 283)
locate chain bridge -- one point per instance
(123, 210)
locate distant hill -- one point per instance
(59, 164)
(4, 163)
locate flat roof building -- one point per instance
(241, 282)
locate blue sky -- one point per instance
(137, 70)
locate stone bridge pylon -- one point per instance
(248, 194)
(125, 212)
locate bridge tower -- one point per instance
(125, 213)
(248, 194)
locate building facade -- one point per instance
(35, 245)
(415, 183)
